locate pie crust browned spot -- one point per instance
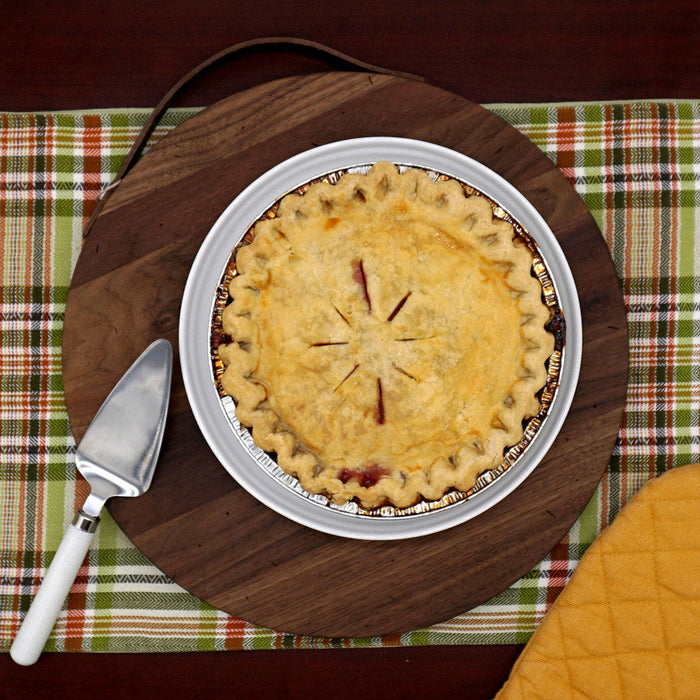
(388, 339)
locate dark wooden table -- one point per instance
(127, 54)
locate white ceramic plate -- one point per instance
(232, 444)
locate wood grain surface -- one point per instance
(195, 523)
(438, 673)
(127, 53)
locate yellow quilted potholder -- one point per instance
(628, 623)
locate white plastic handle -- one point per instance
(39, 621)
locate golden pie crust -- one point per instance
(388, 339)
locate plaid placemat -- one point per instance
(636, 165)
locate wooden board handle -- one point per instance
(261, 44)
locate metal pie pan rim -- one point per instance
(205, 275)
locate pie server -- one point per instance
(117, 456)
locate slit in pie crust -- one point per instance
(388, 341)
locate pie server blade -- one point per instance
(117, 456)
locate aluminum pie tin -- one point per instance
(204, 297)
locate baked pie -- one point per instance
(388, 341)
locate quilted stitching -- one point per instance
(628, 623)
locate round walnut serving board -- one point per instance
(195, 523)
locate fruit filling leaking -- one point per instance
(367, 476)
(370, 475)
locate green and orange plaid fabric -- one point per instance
(637, 167)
